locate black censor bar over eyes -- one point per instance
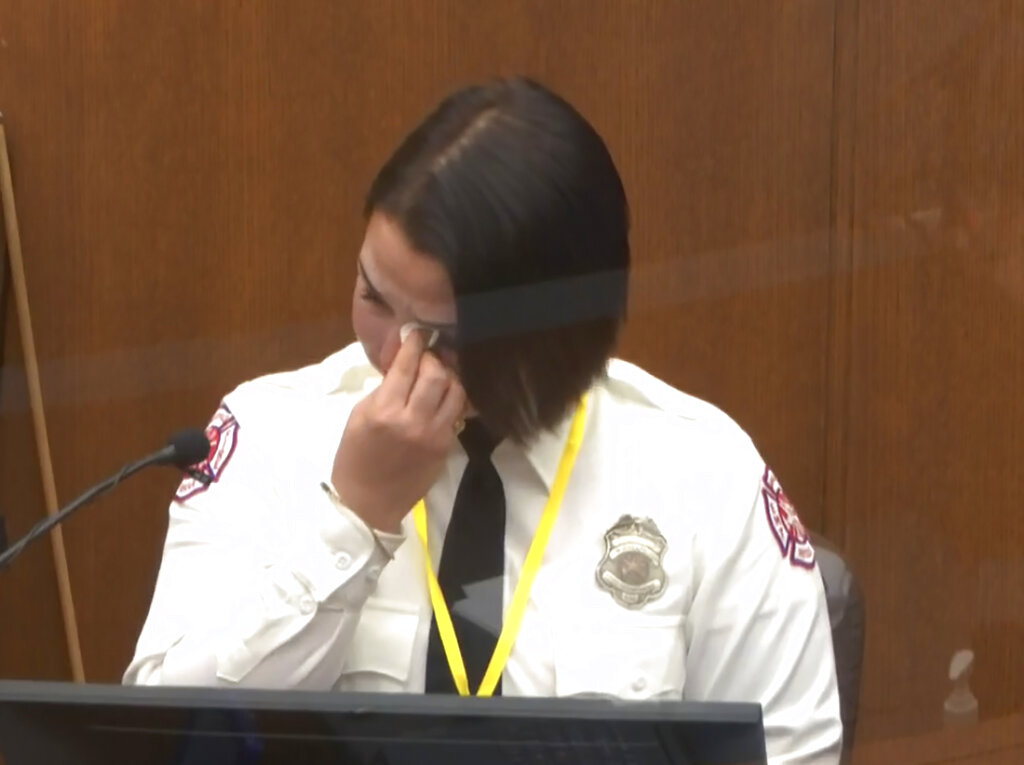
(545, 305)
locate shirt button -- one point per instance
(639, 684)
(342, 561)
(306, 604)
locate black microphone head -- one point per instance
(190, 446)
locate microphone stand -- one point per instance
(50, 521)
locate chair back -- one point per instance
(846, 614)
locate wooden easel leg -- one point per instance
(20, 290)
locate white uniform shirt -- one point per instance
(268, 582)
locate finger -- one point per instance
(430, 336)
(432, 382)
(401, 376)
(453, 406)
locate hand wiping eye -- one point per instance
(431, 335)
(434, 339)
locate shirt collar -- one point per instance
(544, 453)
(349, 371)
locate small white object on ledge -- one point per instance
(961, 707)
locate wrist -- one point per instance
(374, 530)
(373, 513)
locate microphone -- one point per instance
(184, 448)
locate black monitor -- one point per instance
(56, 723)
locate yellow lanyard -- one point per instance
(514, 616)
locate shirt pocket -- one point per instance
(380, 655)
(630, 659)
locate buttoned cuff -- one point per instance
(355, 556)
(387, 542)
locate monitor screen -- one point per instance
(64, 723)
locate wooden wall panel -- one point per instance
(935, 418)
(730, 173)
(31, 629)
(193, 172)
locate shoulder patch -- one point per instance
(222, 432)
(784, 523)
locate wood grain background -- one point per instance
(828, 206)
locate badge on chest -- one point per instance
(631, 570)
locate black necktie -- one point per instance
(472, 568)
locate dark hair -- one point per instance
(517, 196)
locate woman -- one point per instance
(623, 538)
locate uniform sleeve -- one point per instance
(263, 574)
(759, 629)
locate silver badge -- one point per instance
(630, 570)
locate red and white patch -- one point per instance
(786, 527)
(222, 433)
